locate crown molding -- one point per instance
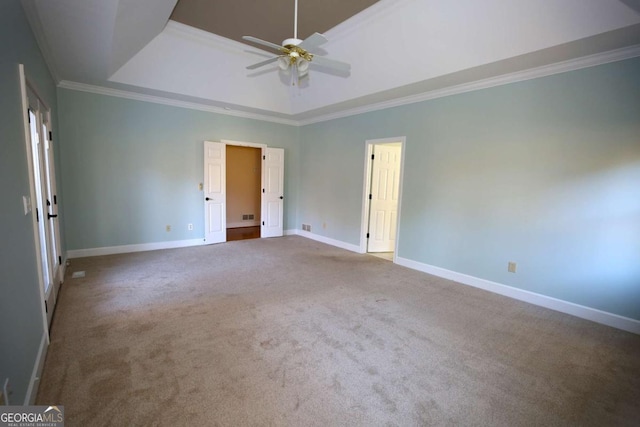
(530, 74)
(179, 29)
(376, 10)
(533, 73)
(100, 90)
(33, 18)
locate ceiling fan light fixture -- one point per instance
(295, 54)
(283, 63)
(303, 67)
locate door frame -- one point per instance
(32, 195)
(262, 148)
(366, 190)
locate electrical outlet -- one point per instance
(168, 228)
(200, 186)
(190, 227)
(512, 267)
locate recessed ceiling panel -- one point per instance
(270, 20)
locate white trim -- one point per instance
(32, 195)
(329, 241)
(124, 249)
(355, 23)
(100, 90)
(518, 76)
(588, 313)
(243, 143)
(292, 232)
(34, 382)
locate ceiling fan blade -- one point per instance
(313, 41)
(263, 42)
(331, 63)
(260, 64)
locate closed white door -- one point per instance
(42, 167)
(385, 185)
(215, 212)
(272, 192)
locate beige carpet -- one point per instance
(292, 332)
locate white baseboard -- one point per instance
(292, 232)
(110, 250)
(588, 313)
(327, 240)
(34, 382)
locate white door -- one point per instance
(272, 192)
(385, 185)
(55, 254)
(215, 211)
(46, 209)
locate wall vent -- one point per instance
(247, 217)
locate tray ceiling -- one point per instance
(268, 20)
(397, 48)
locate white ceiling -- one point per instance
(397, 49)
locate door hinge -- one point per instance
(262, 222)
(55, 199)
(263, 190)
(59, 260)
(367, 235)
(46, 307)
(373, 156)
(37, 216)
(264, 157)
(50, 136)
(28, 116)
(370, 196)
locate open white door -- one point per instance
(272, 192)
(215, 210)
(385, 183)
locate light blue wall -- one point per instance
(129, 168)
(544, 172)
(21, 325)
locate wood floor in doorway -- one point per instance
(243, 233)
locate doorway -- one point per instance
(244, 176)
(382, 193)
(214, 187)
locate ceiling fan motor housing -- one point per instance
(294, 42)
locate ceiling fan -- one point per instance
(295, 55)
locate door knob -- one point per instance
(207, 199)
(49, 216)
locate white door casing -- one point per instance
(215, 211)
(272, 192)
(385, 184)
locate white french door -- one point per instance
(272, 192)
(215, 198)
(45, 203)
(214, 188)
